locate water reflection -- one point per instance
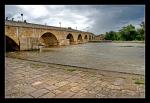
(123, 57)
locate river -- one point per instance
(120, 57)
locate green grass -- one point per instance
(139, 81)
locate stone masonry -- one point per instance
(28, 36)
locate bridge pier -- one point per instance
(29, 43)
(67, 42)
(64, 42)
(75, 43)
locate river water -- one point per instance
(120, 57)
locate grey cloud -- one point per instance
(99, 18)
(11, 10)
(114, 17)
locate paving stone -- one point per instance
(114, 87)
(118, 81)
(142, 95)
(59, 84)
(114, 93)
(15, 94)
(8, 88)
(26, 96)
(20, 76)
(130, 87)
(100, 95)
(84, 91)
(73, 84)
(51, 87)
(65, 76)
(90, 95)
(97, 88)
(104, 92)
(48, 95)
(98, 82)
(36, 83)
(39, 93)
(79, 95)
(65, 94)
(141, 88)
(129, 93)
(19, 85)
(64, 88)
(56, 91)
(83, 84)
(16, 79)
(76, 89)
(52, 82)
(87, 81)
(73, 79)
(80, 81)
(36, 76)
(29, 89)
(40, 86)
(104, 84)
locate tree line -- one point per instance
(127, 33)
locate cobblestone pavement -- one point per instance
(28, 79)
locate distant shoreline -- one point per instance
(128, 41)
(96, 41)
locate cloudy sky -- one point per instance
(97, 19)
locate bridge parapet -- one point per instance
(31, 25)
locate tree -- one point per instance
(142, 25)
(141, 32)
(143, 28)
(111, 35)
(128, 32)
(118, 34)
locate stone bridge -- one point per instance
(28, 36)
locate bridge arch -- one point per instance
(80, 40)
(85, 37)
(48, 39)
(10, 44)
(71, 38)
(90, 37)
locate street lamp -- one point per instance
(60, 24)
(22, 17)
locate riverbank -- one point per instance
(109, 41)
(28, 79)
(97, 41)
(128, 41)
